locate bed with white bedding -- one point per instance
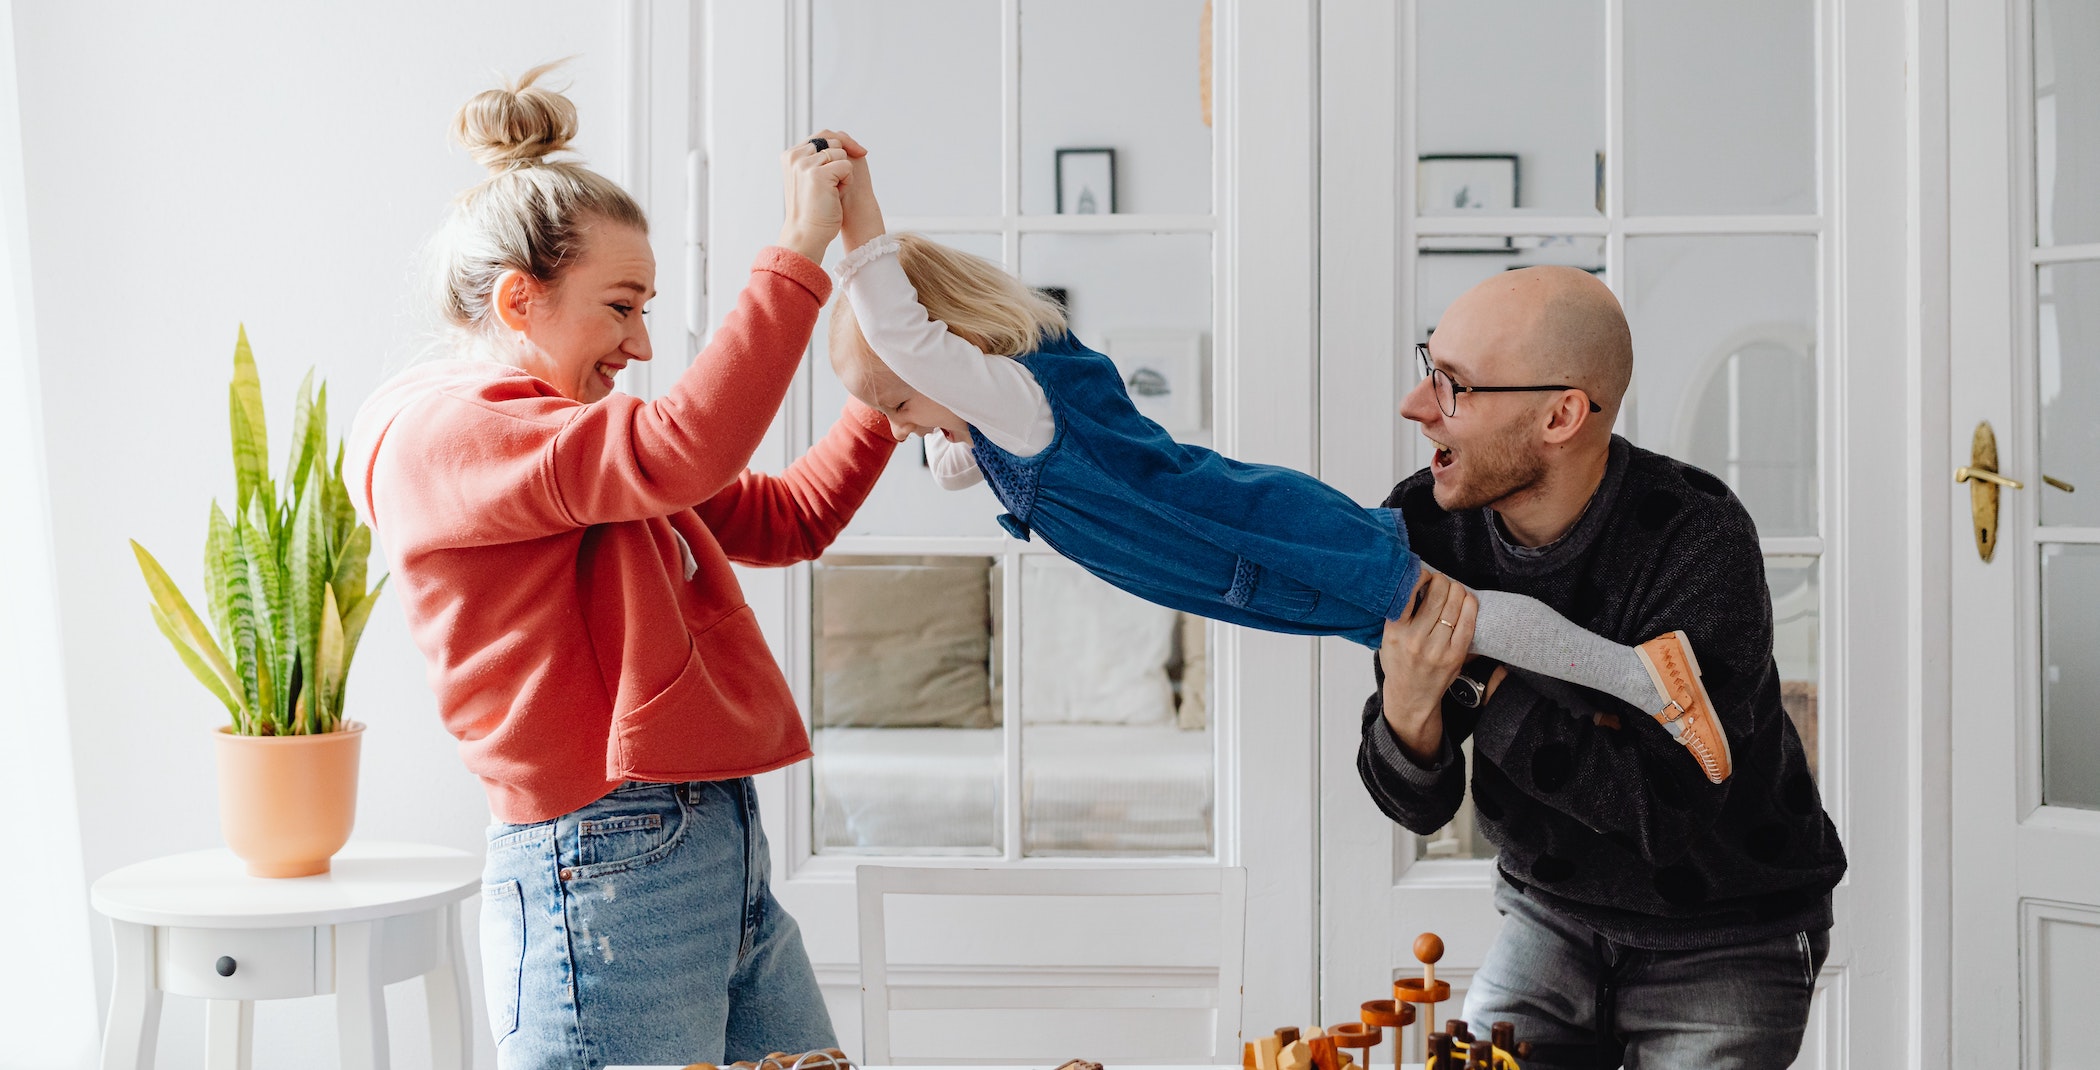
(1085, 788)
(909, 700)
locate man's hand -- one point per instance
(1421, 654)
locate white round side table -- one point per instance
(198, 925)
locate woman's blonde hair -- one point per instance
(979, 301)
(530, 214)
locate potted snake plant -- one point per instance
(284, 584)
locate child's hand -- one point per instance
(863, 222)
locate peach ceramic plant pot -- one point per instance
(286, 803)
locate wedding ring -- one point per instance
(1447, 624)
(820, 143)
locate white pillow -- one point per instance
(1093, 654)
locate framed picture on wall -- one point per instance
(1086, 181)
(1457, 184)
(1163, 372)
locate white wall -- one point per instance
(191, 168)
(47, 1001)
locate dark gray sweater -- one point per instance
(1617, 828)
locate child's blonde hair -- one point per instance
(979, 301)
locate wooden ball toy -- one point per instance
(1426, 989)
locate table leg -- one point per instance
(360, 996)
(133, 1028)
(229, 1034)
(445, 993)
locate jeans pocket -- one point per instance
(1815, 948)
(626, 830)
(502, 953)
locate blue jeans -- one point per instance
(642, 929)
(1741, 1007)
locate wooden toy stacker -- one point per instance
(1452, 1048)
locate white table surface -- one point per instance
(212, 889)
(1045, 1066)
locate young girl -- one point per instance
(951, 347)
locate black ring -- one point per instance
(820, 143)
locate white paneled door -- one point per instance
(2024, 329)
(973, 700)
(1736, 174)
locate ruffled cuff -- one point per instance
(876, 248)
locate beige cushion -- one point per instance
(903, 642)
(1191, 711)
(1093, 654)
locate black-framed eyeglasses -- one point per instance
(1447, 389)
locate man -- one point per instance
(1651, 913)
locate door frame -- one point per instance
(1265, 199)
(1873, 674)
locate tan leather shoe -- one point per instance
(1687, 711)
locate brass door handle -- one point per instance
(1981, 474)
(1966, 474)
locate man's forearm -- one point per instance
(1419, 732)
(1422, 795)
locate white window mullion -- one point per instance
(1615, 176)
(1010, 91)
(1010, 565)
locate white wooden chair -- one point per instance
(1020, 989)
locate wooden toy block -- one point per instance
(1325, 1054)
(1297, 1055)
(1265, 1051)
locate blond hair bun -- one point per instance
(521, 124)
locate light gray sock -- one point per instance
(1524, 632)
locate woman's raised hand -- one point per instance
(815, 177)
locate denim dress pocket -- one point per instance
(1264, 591)
(502, 953)
(627, 830)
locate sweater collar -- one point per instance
(1514, 559)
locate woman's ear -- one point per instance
(512, 298)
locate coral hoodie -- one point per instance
(565, 567)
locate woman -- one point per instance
(563, 554)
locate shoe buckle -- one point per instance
(1666, 715)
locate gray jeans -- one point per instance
(1583, 1001)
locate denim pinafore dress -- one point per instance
(1187, 528)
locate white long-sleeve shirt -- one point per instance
(995, 393)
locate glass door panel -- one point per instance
(919, 82)
(2067, 322)
(903, 705)
(2066, 122)
(1535, 97)
(1720, 107)
(1797, 642)
(2071, 676)
(1115, 733)
(1725, 371)
(1130, 78)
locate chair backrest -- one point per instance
(1225, 887)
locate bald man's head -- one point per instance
(1529, 328)
(1544, 324)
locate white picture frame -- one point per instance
(1165, 372)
